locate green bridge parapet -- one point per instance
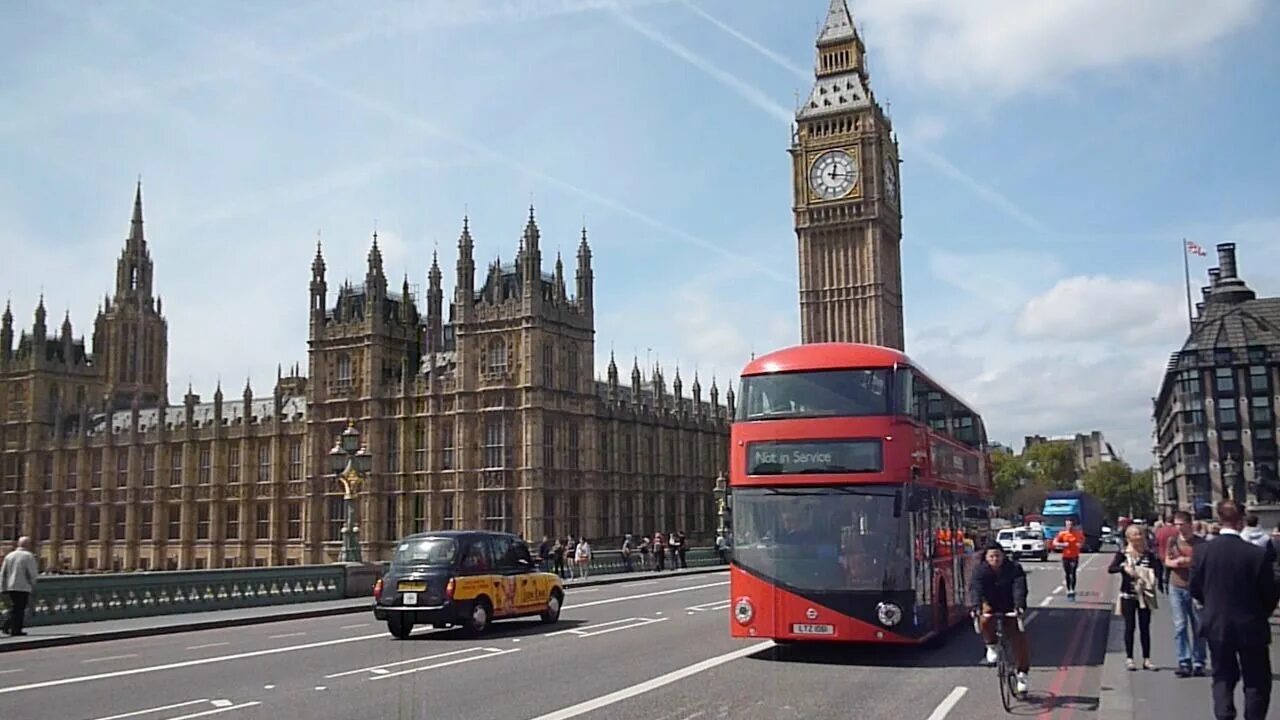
(63, 599)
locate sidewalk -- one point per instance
(1161, 695)
(106, 630)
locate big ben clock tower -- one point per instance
(847, 213)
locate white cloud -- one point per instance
(1009, 46)
(1004, 279)
(1104, 309)
(927, 128)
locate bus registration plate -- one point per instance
(807, 629)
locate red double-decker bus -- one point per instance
(860, 491)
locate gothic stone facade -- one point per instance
(848, 216)
(489, 418)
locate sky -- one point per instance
(1054, 156)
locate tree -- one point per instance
(1008, 472)
(1120, 490)
(1052, 464)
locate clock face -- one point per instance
(833, 174)
(890, 179)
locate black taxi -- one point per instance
(466, 578)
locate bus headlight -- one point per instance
(889, 614)
(742, 611)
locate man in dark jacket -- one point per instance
(1233, 579)
(999, 586)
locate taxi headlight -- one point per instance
(742, 611)
(889, 614)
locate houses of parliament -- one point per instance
(490, 417)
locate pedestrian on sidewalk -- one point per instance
(1164, 535)
(544, 554)
(18, 576)
(1071, 541)
(659, 552)
(571, 557)
(628, 547)
(1256, 535)
(645, 546)
(582, 554)
(557, 556)
(1138, 568)
(1234, 581)
(1186, 614)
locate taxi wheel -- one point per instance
(478, 620)
(552, 614)
(400, 626)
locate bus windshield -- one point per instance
(826, 393)
(823, 538)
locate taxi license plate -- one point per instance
(411, 598)
(805, 629)
(412, 587)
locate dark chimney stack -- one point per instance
(1214, 275)
(1227, 260)
(1204, 292)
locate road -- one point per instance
(656, 648)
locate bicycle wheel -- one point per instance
(1004, 674)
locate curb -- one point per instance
(1115, 696)
(301, 614)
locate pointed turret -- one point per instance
(559, 279)
(435, 309)
(636, 390)
(217, 404)
(529, 265)
(585, 277)
(465, 284)
(319, 291)
(375, 280)
(66, 326)
(39, 331)
(697, 393)
(715, 396)
(6, 335)
(134, 268)
(728, 397)
(677, 387)
(612, 378)
(840, 69)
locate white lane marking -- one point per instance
(576, 591)
(147, 711)
(947, 703)
(591, 630)
(215, 712)
(459, 661)
(1046, 601)
(1034, 614)
(268, 687)
(13, 670)
(321, 687)
(285, 635)
(644, 595)
(295, 648)
(109, 657)
(208, 645)
(1058, 589)
(375, 668)
(183, 664)
(707, 607)
(642, 582)
(1088, 561)
(222, 703)
(593, 704)
(353, 627)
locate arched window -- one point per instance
(497, 356)
(344, 369)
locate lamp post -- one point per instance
(721, 492)
(351, 462)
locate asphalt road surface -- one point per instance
(653, 649)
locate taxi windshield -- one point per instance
(436, 551)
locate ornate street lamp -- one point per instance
(351, 462)
(721, 492)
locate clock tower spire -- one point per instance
(847, 213)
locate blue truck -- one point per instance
(1083, 508)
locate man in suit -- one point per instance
(1233, 580)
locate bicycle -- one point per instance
(1006, 672)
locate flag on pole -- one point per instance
(1195, 249)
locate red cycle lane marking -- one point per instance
(1081, 669)
(1066, 669)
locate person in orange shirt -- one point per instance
(1070, 540)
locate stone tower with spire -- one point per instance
(848, 216)
(131, 336)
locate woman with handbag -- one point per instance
(1138, 568)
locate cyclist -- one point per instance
(1070, 540)
(999, 586)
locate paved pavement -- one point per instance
(652, 648)
(1161, 695)
(104, 630)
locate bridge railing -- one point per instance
(60, 599)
